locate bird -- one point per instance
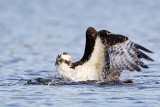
(105, 56)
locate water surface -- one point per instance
(33, 33)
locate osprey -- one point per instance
(106, 55)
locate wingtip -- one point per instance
(139, 69)
(143, 48)
(91, 31)
(142, 55)
(152, 60)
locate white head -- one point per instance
(64, 66)
(63, 58)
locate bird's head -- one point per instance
(63, 58)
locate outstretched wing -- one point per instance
(127, 56)
(123, 54)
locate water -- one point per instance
(34, 32)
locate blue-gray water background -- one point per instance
(34, 32)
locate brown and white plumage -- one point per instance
(122, 54)
(106, 55)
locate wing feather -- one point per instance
(126, 56)
(123, 54)
(142, 55)
(142, 48)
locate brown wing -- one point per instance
(111, 39)
(122, 54)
